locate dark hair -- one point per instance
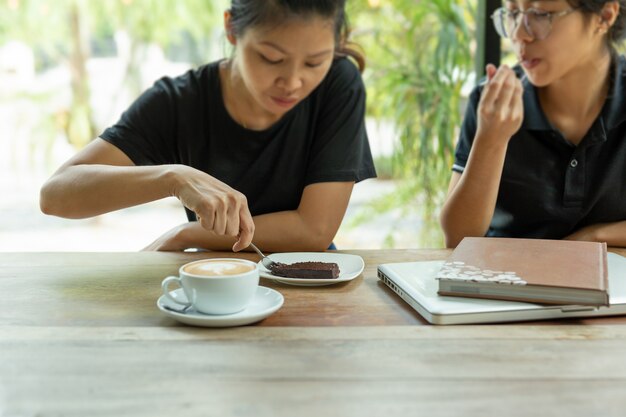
(250, 13)
(617, 32)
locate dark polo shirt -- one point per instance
(550, 187)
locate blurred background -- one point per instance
(68, 68)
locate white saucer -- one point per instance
(350, 267)
(266, 301)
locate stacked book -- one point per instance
(530, 270)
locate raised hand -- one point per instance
(218, 207)
(501, 109)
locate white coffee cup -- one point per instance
(216, 286)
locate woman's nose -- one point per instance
(290, 80)
(520, 30)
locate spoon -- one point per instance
(266, 261)
(177, 310)
(522, 78)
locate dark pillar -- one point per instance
(488, 41)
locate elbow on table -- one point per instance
(51, 204)
(318, 243)
(318, 239)
(458, 225)
(47, 203)
(452, 241)
(452, 236)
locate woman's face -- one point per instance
(572, 41)
(282, 65)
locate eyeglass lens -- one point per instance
(536, 24)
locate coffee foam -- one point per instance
(218, 268)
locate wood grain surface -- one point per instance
(80, 335)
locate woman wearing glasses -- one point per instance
(542, 149)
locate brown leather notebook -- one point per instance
(531, 270)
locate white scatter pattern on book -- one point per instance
(459, 271)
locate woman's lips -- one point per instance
(530, 63)
(284, 102)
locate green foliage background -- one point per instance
(419, 55)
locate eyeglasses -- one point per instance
(537, 23)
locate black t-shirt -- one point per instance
(549, 187)
(183, 120)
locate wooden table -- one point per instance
(80, 335)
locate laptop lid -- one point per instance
(415, 283)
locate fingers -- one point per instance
(492, 90)
(207, 221)
(504, 99)
(501, 93)
(246, 230)
(220, 213)
(232, 216)
(516, 103)
(218, 207)
(490, 70)
(501, 108)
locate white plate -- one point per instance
(350, 267)
(266, 301)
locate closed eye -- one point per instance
(512, 13)
(540, 13)
(269, 61)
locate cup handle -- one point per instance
(166, 290)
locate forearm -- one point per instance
(614, 234)
(291, 231)
(311, 227)
(274, 232)
(81, 191)
(470, 205)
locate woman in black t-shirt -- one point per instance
(267, 143)
(542, 150)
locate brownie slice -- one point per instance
(319, 270)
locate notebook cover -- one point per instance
(509, 262)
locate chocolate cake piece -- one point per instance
(319, 270)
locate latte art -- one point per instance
(214, 286)
(218, 268)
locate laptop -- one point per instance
(415, 283)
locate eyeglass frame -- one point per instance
(497, 14)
